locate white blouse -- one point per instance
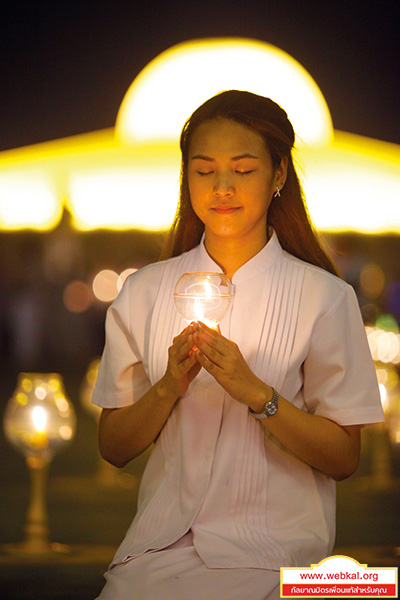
(215, 469)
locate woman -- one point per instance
(253, 423)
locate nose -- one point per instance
(223, 185)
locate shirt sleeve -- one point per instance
(121, 379)
(339, 374)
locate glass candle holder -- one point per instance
(39, 420)
(204, 297)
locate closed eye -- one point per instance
(204, 173)
(244, 172)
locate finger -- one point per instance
(180, 368)
(212, 334)
(210, 352)
(211, 342)
(182, 349)
(184, 333)
(187, 365)
(182, 338)
(208, 364)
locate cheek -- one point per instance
(194, 196)
(192, 186)
(197, 190)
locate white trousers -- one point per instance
(178, 573)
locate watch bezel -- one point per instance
(270, 408)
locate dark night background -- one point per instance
(64, 70)
(65, 66)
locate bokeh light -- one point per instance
(105, 285)
(384, 345)
(77, 296)
(372, 280)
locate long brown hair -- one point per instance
(287, 213)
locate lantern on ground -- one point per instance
(39, 421)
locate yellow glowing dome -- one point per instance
(177, 81)
(128, 178)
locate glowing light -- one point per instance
(127, 178)
(32, 426)
(40, 393)
(396, 359)
(382, 376)
(200, 305)
(21, 398)
(203, 297)
(28, 200)
(372, 280)
(77, 296)
(384, 345)
(119, 199)
(66, 432)
(92, 372)
(353, 185)
(190, 73)
(105, 285)
(27, 385)
(39, 418)
(388, 347)
(387, 322)
(383, 393)
(54, 384)
(123, 277)
(62, 404)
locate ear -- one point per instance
(281, 172)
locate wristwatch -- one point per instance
(270, 407)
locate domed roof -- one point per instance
(176, 82)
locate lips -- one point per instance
(225, 210)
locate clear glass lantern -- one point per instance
(204, 297)
(39, 421)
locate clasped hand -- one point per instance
(200, 346)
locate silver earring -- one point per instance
(277, 191)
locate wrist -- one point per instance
(164, 391)
(263, 395)
(269, 409)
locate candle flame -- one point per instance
(39, 418)
(198, 306)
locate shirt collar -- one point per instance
(268, 256)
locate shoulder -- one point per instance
(322, 291)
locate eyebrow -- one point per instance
(234, 158)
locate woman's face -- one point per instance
(232, 180)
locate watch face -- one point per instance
(271, 408)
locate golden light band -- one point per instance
(127, 177)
